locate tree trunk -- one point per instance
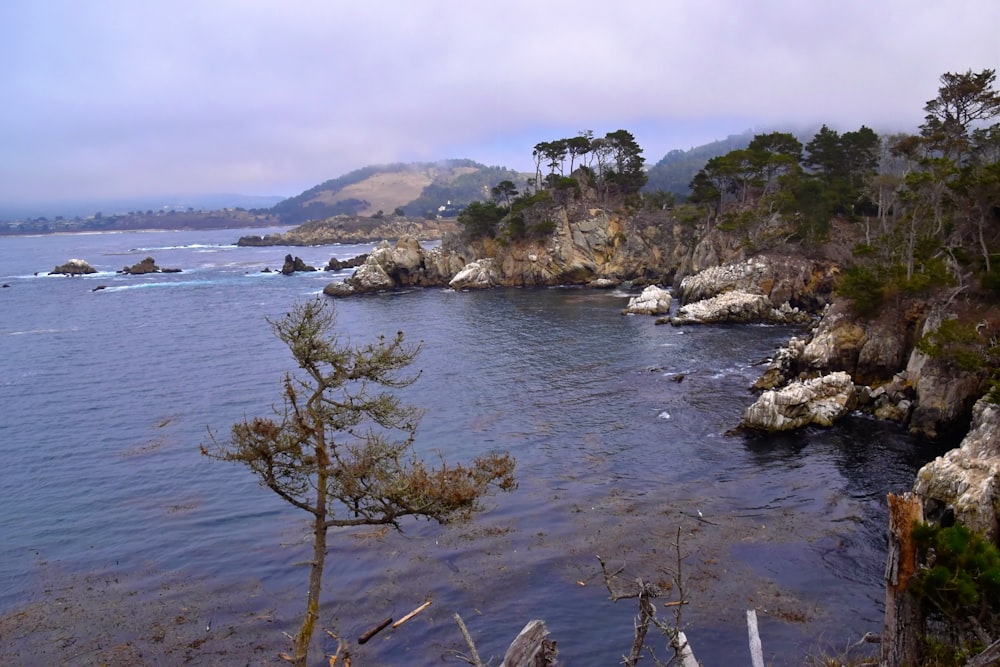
(302, 640)
(903, 614)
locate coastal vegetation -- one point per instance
(340, 446)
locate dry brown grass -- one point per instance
(386, 191)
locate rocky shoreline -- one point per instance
(845, 363)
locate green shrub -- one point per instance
(958, 345)
(863, 286)
(959, 581)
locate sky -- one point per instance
(145, 98)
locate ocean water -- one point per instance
(618, 425)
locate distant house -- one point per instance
(449, 210)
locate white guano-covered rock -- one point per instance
(735, 306)
(371, 277)
(967, 479)
(820, 401)
(480, 274)
(652, 301)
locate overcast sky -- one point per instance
(116, 98)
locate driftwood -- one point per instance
(473, 658)
(531, 648)
(412, 614)
(374, 631)
(991, 656)
(756, 650)
(903, 614)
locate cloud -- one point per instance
(113, 98)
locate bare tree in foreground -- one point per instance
(646, 592)
(340, 447)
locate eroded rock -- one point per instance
(820, 401)
(73, 267)
(967, 479)
(652, 301)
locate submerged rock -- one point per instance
(967, 479)
(652, 301)
(73, 267)
(820, 401)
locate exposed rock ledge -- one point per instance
(820, 401)
(737, 306)
(73, 267)
(966, 480)
(801, 282)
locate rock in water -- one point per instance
(476, 275)
(653, 301)
(820, 401)
(73, 267)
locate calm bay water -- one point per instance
(617, 424)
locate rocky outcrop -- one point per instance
(480, 274)
(871, 349)
(737, 306)
(405, 264)
(966, 480)
(295, 264)
(340, 265)
(371, 277)
(147, 265)
(350, 229)
(652, 301)
(798, 281)
(820, 401)
(945, 393)
(73, 267)
(783, 366)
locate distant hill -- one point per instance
(674, 172)
(419, 188)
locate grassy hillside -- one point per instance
(418, 188)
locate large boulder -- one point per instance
(652, 301)
(737, 306)
(966, 480)
(73, 267)
(480, 274)
(371, 277)
(820, 401)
